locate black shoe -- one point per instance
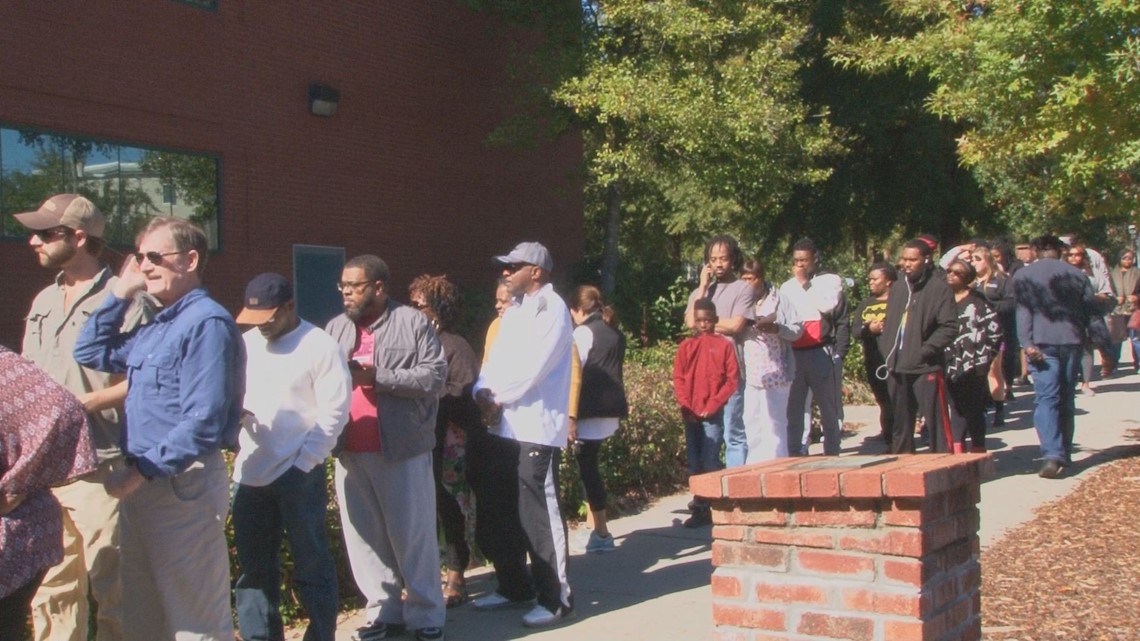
(1050, 470)
(699, 518)
(379, 631)
(429, 634)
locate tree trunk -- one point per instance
(610, 245)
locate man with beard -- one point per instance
(920, 324)
(66, 236)
(296, 402)
(733, 299)
(384, 479)
(185, 372)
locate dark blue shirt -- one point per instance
(186, 371)
(1054, 303)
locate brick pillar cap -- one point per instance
(905, 476)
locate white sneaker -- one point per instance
(540, 617)
(599, 544)
(495, 601)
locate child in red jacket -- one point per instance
(705, 374)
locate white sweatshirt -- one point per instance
(299, 389)
(528, 370)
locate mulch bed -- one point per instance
(1073, 572)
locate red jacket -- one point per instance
(705, 374)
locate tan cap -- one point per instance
(67, 210)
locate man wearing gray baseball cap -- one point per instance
(523, 393)
(66, 236)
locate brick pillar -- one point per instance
(862, 548)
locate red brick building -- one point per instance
(402, 169)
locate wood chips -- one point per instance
(1073, 572)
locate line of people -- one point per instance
(153, 380)
(942, 340)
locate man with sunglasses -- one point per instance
(186, 374)
(66, 237)
(384, 479)
(523, 393)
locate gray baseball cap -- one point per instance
(530, 253)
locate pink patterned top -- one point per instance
(44, 440)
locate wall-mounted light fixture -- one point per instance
(323, 100)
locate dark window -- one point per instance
(129, 184)
(212, 5)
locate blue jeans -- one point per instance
(1054, 379)
(294, 504)
(702, 443)
(735, 437)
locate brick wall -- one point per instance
(884, 553)
(402, 170)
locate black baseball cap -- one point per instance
(263, 295)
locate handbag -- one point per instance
(1134, 320)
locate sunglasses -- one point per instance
(959, 274)
(48, 235)
(514, 267)
(155, 258)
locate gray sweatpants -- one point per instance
(387, 512)
(815, 372)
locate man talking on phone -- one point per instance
(733, 299)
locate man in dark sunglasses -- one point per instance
(66, 236)
(187, 383)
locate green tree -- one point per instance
(1046, 92)
(691, 120)
(195, 179)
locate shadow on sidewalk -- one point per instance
(648, 564)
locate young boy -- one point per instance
(705, 374)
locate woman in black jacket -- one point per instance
(602, 403)
(969, 358)
(996, 286)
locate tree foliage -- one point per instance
(1045, 89)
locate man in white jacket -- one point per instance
(523, 392)
(296, 404)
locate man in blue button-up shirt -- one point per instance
(186, 385)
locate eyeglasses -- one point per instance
(48, 235)
(514, 267)
(155, 258)
(356, 287)
(418, 305)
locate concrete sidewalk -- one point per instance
(655, 585)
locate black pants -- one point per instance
(493, 471)
(881, 391)
(912, 395)
(591, 474)
(543, 524)
(968, 394)
(16, 609)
